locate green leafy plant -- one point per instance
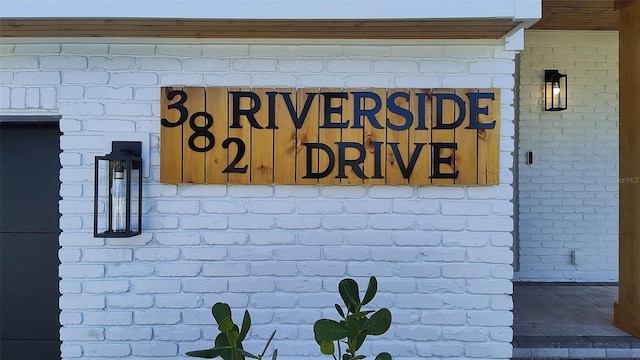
(228, 344)
(356, 324)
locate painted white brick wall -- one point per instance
(569, 196)
(441, 254)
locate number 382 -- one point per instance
(202, 131)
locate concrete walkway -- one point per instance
(568, 321)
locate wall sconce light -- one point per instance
(555, 90)
(117, 203)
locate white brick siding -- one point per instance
(569, 196)
(441, 254)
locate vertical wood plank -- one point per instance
(193, 161)
(351, 135)
(284, 159)
(216, 158)
(401, 138)
(489, 141)
(307, 133)
(467, 140)
(376, 154)
(170, 140)
(443, 136)
(329, 137)
(627, 308)
(234, 150)
(261, 149)
(422, 170)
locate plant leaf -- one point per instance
(327, 348)
(363, 324)
(383, 356)
(372, 289)
(353, 327)
(360, 340)
(363, 314)
(247, 354)
(275, 354)
(328, 330)
(225, 325)
(246, 324)
(233, 338)
(339, 309)
(315, 336)
(206, 354)
(220, 311)
(379, 322)
(267, 344)
(349, 292)
(222, 343)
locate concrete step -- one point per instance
(576, 353)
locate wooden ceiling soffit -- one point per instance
(260, 29)
(578, 15)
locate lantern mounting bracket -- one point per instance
(127, 147)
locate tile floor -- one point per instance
(568, 321)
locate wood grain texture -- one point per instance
(467, 140)
(354, 135)
(443, 136)
(374, 135)
(243, 133)
(577, 15)
(628, 307)
(260, 29)
(216, 158)
(399, 140)
(307, 133)
(329, 137)
(422, 171)
(285, 159)
(193, 162)
(170, 141)
(489, 141)
(261, 147)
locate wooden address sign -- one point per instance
(219, 135)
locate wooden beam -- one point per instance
(627, 309)
(259, 29)
(620, 4)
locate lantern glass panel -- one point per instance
(136, 201)
(118, 196)
(101, 210)
(562, 92)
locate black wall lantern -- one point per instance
(555, 90)
(117, 203)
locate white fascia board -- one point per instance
(514, 41)
(271, 9)
(528, 10)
